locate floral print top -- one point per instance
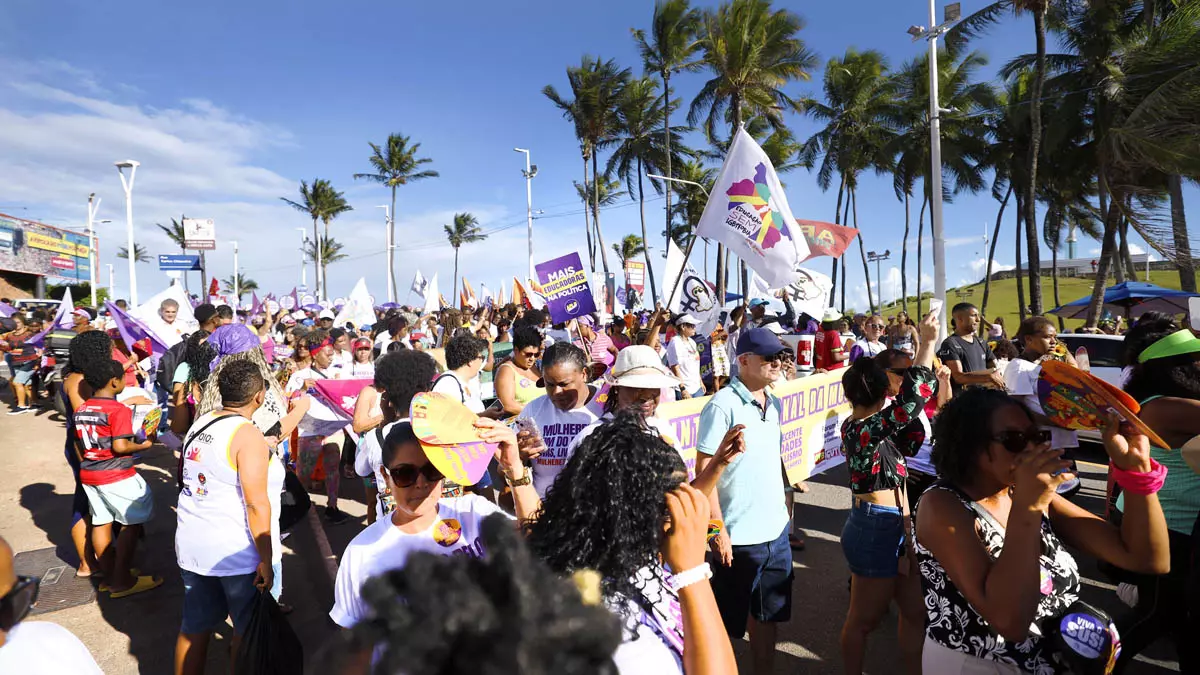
(954, 623)
(876, 446)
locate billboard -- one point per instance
(199, 234)
(30, 247)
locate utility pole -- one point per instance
(529, 172)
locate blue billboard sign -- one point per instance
(179, 263)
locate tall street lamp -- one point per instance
(128, 185)
(951, 14)
(878, 258)
(237, 297)
(303, 259)
(110, 281)
(387, 245)
(529, 172)
(93, 257)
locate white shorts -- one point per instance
(126, 501)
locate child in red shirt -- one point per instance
(115, 491)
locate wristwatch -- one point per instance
(525, 479)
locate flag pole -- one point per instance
(682, 267)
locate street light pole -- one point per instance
(128, 185)
(387, 245)
(878, 259)
(952, 13)
(529, 172)
(303, 260)
(93, 207)
(110, 281)
(237, 297)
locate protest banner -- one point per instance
(811, 412)
(565, 285)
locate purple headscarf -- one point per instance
(233, 338)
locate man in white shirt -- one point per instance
(342, 354)
(326, 449)
(34, 647)
(683, 356)
(465, 356)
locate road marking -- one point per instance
(323, 543)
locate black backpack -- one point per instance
(167, 365)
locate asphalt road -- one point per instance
(136, 635)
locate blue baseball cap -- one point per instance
(757, 302)
(759, 341)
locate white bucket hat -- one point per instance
(832, 314)
(639, 366)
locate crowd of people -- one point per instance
(588, 546)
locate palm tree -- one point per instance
(603, 83)
(691, 199)
(331, 252)
(964, 132)
(465, 231)
(1010, 139)
(321, 202)
(751, 52)
(631, 246)
(140, 255)
(394, 165)
(573, 112)
(609, 190)
(859, 106)
(244, 285)
(639, 149)
(963, 31)
(671, 48)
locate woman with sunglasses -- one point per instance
(34, 647)
(516, 379)
(877, 438)
(422, 520)
(1165, 380)
(991, 532)
(870, 344)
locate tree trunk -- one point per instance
(392, 249)
(719, 271)
(317, 260)
(596, 214)
(904, 256)
(1020, 280)
(1183, 247)
(203, 276)
(837, 220)
(454, 283)
(645, 245)
(1035, 144)
(846, 219)
(666, 77)
(920, 246)
(1054, 278)
(987, 271)
(1108, 247)
(587, 223)
(1126, 258)
(862, 252)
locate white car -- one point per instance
(1104, 355)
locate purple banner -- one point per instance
(565, 285)
(134, 332)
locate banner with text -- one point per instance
(811, 412)
(565, 285)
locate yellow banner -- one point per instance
(48, 243)
(811, 412)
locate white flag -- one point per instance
(486, 299)
(432, 304)
(419, 285)
(358, 309)
(749, 213)
(810, 293)
(694, 296)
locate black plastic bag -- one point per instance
(269, 645)
(294, 503)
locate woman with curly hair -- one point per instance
(991, 532)
(516, 379)
(235, 343)
(1164, 378)
(188, 379)
(618, 488)
(84, 351)
(877, 437)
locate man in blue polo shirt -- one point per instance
(753, 579)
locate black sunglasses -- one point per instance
(15, 604)
(405, 475)
(1016, 441)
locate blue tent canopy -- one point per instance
(1131, 299)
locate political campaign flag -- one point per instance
(432, 295)
(826, 239)
(469, 294)
(693, 296)
(537, 295)
(500, 295)
(138, 337)
(485, 296)
(518, 294)
(563, 284)
(62, 319)
(419, 285)
(358, 309)
(749, 213)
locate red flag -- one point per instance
(214, 288)
(826, 238)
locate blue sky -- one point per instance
(229, 105)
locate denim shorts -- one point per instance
(873, 540)
(758, 584)
(208, 600)
(22, 373)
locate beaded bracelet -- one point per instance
(686, 578)
(1141, 483)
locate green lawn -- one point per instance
(1002, 299)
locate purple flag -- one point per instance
(62, 319)
(134, 332)
(255, 307)
(7, 310)
(565, 286)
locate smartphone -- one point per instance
(935, 307)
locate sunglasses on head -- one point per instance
(15, 604)
(405, 475)
(1016, 441)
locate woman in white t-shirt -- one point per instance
(465, 356)
(623, 485)
(683, 356)
(422, 521)
(637, 380)
(549, 423)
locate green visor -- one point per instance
(1179, 342)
